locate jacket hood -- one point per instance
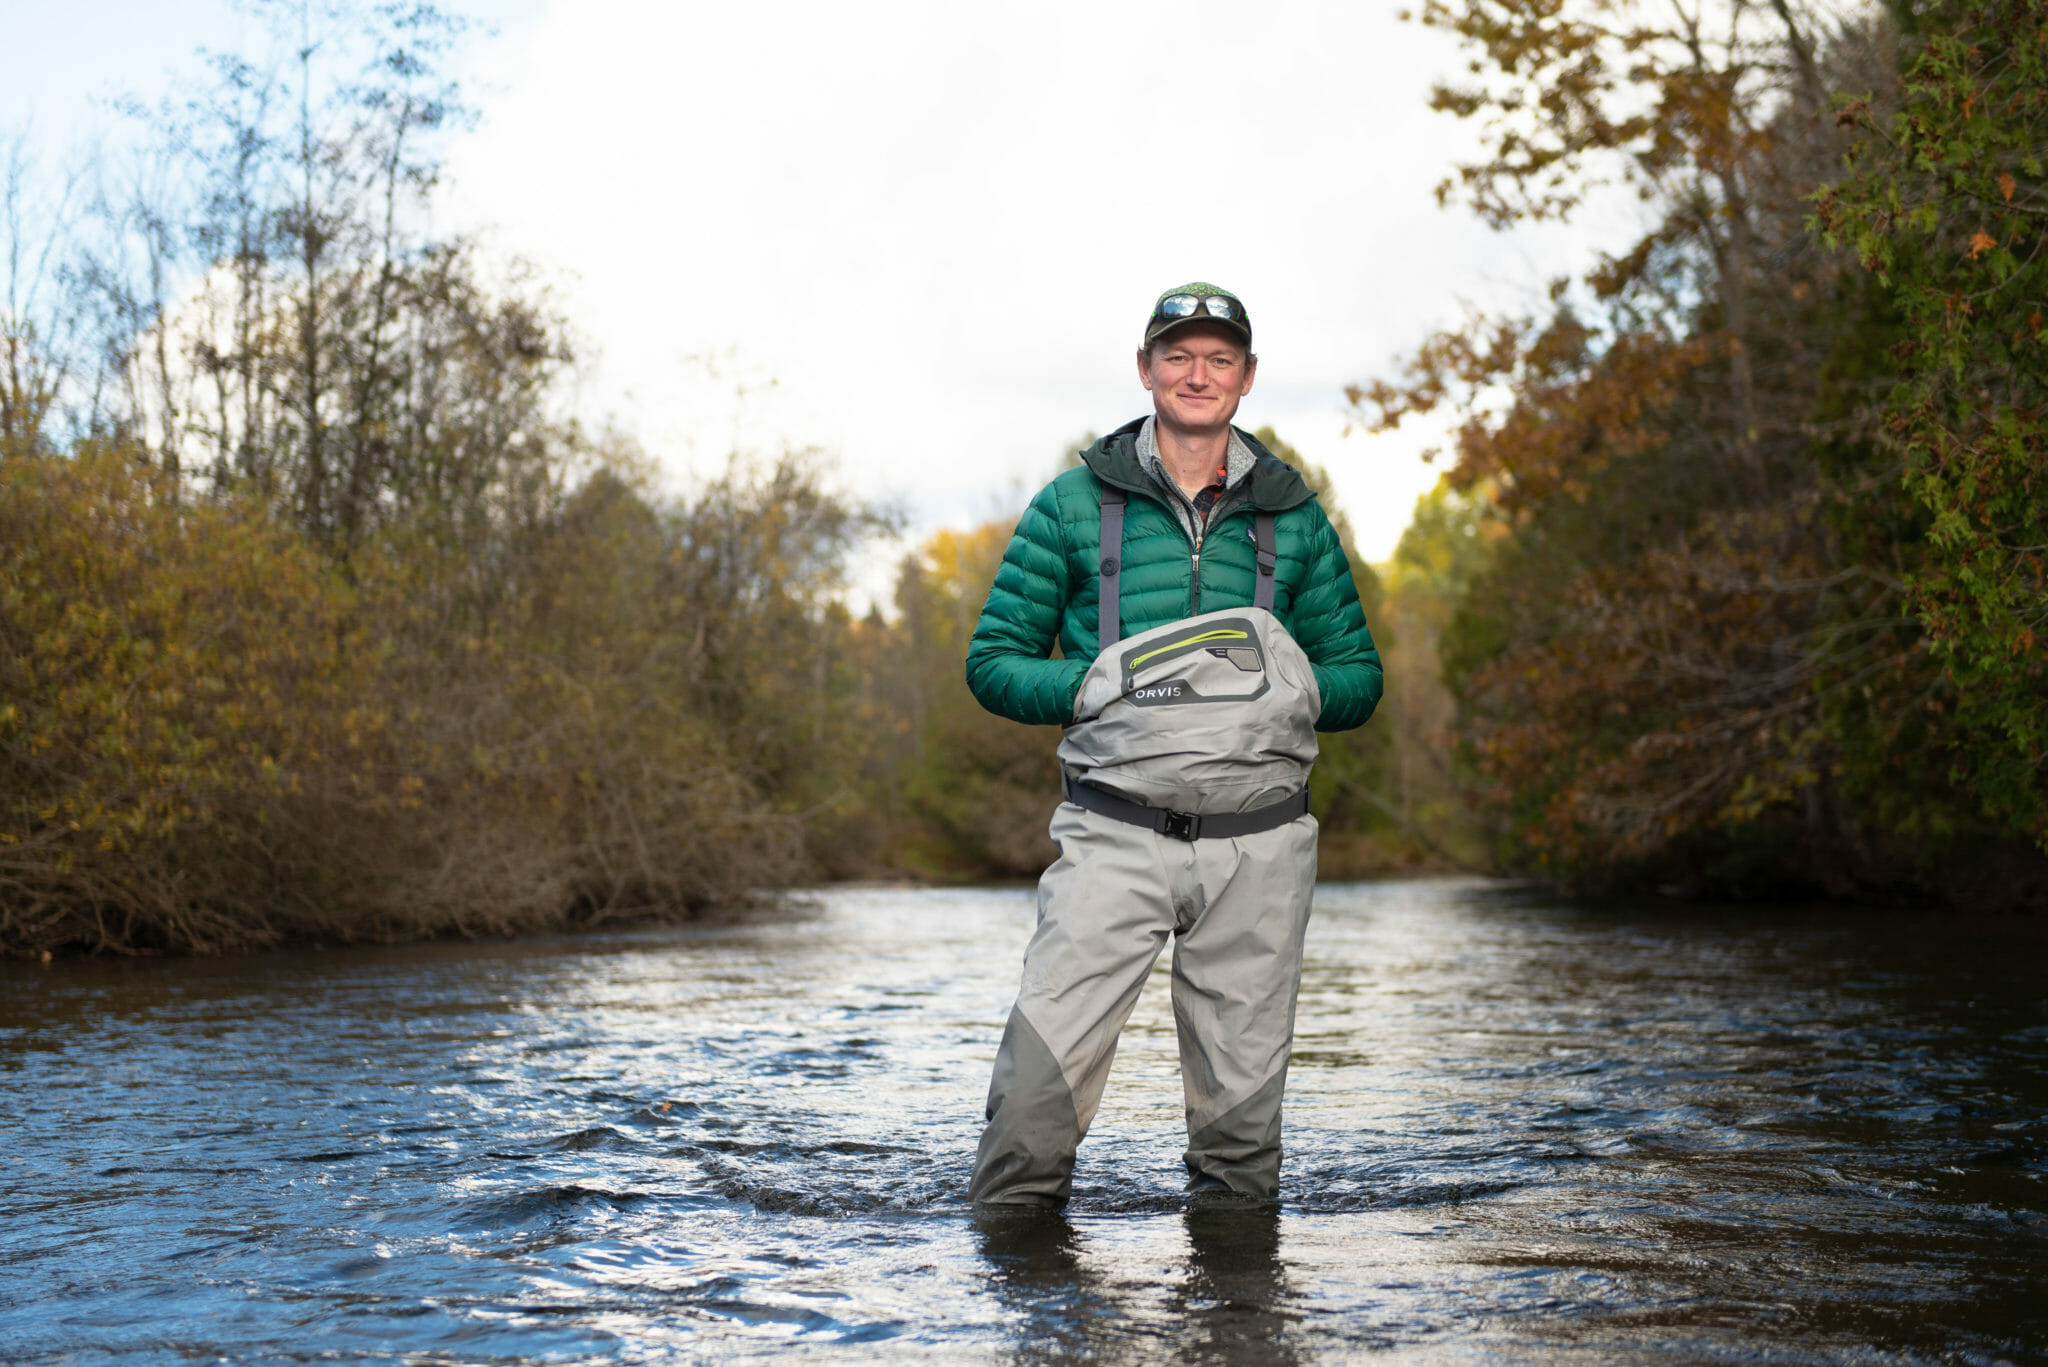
(1273, 486)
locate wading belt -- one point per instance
(1109, 627)
(1184, 825)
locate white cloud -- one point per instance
(938, 227)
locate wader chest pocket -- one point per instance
(1209, 715)
(1213, 660)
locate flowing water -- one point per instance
(1516, 1132)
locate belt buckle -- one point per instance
(1180, 825)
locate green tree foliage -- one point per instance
(1947, 204)
(1690, 657)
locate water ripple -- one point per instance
(1516, 1132)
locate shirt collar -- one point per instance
(1237, 459)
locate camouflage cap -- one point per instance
(1198, 302)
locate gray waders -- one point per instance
(1186, 773)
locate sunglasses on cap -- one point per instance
(1178, 306)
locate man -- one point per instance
(1208, 625)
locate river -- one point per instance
(1517, 1132)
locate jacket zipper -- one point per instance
(1195, 556)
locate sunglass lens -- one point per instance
(1219, 307)
(1179, 306)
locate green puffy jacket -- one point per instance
(1047, 587)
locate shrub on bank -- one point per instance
(214, 736)
(183, 693)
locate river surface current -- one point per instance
(1516, 1132)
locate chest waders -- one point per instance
(1185, 771)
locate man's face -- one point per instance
(1197, 374)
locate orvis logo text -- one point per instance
(1155, 692)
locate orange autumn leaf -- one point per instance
(2005, 185)
(1980, 243)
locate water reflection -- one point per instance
(1224, 1298)
(1236, 1291)
(1064, 1313)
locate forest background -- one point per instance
(320, 621)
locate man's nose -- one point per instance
(1198, 374)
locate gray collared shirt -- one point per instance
(1237, 463)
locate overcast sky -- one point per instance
(936, 228)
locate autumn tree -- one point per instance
(1445, 549)
(1947, 205)
(1690, 653)
(1349, 786)
(273, 311)
(318, 620)
(970, 792)
(33, 348)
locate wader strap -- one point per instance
(1109, 627)
(1184, 825)
(1262, 534)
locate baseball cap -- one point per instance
(1196, 302)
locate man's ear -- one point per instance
(1251, 372)
(1145, 368)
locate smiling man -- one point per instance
(1207, 626)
